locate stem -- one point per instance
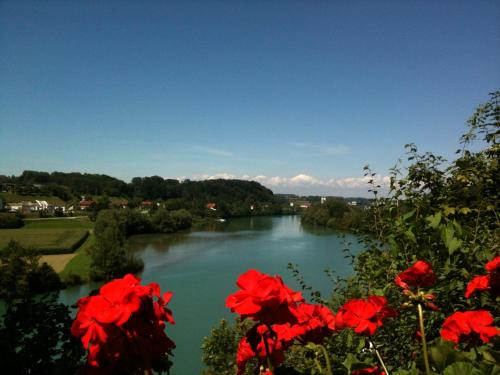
(379, 357)
(327, 360)
(318, 365)
(268, 357)
(478, 355)
(424, 342)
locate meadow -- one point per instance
(45, 240)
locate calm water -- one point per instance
(201, 268)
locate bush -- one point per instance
(109, 256)
(21, 275)
(162, 221)
(35, 338)
(181, 219)
(445, 214)
(135, 222)
(10, 221)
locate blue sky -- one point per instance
(297, 95)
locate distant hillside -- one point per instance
(75, 184)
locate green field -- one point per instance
(49, 236)
(47, 241)
(76, 223)
(80, 265)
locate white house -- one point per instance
(41, 205)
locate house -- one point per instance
(41, 205)
(323, 200)
(86, 204)
(352, 203)
(211, 206)
(146, 203)
(298, 203)
(119, 203)
(61, 208)
(303, 204)
(14, 207)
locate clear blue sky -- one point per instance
(299, 95)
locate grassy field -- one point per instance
(58, 261)
(73, 223)
(60, 238)
(79, 265)
(47, 241)
(49, 236)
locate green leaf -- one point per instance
(451, 242)
(448, 210)
(461, 368)
(492, 355)
(411, 236)
(408, 215)
(434, 220)
(349, 361)
(443, 354)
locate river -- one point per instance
(201, 267)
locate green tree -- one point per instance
(35, 337)
(181, 219)
(443, 213)
(22, 275)
(162, 221)
(109, 256)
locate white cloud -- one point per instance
(303, 181)
(216, 176)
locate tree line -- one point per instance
(66, 185)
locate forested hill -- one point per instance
(66, 185)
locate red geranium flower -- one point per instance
(315, 322)
(477, 284)
(493, 265)
(123, 326)
(489, 282)
(243, 355)
(263, 298)
(364, 316)
(253, 345)
(369, 371)
(418, 275)
(464, 326)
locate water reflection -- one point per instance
(256, 223)
(319, 230)
(157, 242)
(201, 268)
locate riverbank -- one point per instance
(201, 267)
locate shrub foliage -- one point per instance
(445, 213)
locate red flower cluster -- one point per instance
(418, 275)
(123, 326)
(369, 371)
(364, 316)
(490, 282)
(464, 326)
(263, 298)
(282, 318)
